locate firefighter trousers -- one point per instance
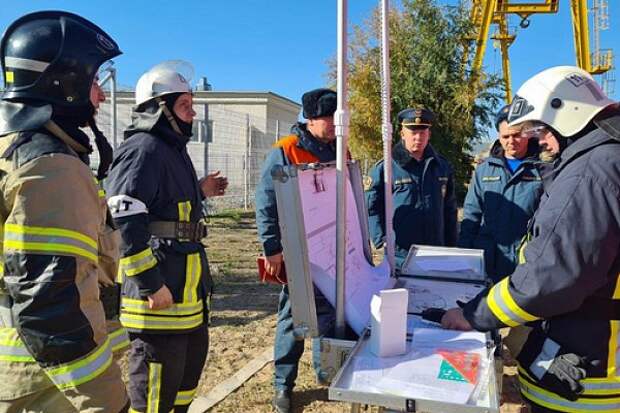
(164, 370)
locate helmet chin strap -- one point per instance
(168, 114)
(57, 131)
(104, 148)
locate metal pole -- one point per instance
(341, 123)
(113, 114)
(277, 130)
(246, 159)
(207, 138)
(386, 132)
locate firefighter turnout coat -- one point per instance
(52, 326)
(152, 181)
(568, 285)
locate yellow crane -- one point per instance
(485, 13)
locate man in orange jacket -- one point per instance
(309, 142)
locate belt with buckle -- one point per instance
(182, 231)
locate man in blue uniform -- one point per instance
(309, 142)
(422, 189)
(503, 195)
(156, 201)
(567, 285)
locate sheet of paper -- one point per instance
(362, 280)
(440, 365)
(427, 375)
(425, 294)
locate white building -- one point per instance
(233, 131)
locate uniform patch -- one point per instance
(442, 179)
(367, 183)
(124, 206)
(491, 178)
(403, 181)
(530, 178)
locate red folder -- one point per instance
(268, 278)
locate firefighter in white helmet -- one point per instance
(156, 201)
(567, 285)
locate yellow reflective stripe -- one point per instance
(613, 357)
(133, 305)
(59, 249)
(12, 348)
(119, 339)
(9, 76)
(504, 307)
(193, 271)
(75, 373)
(49, 239)
(592, 386)
(138, 263)
(522, 250)
(185, 397)
(150, 322)
(100, 190)
(185, 208)
(119, 274)
(553, 401)
(51, 232)
(496, 310)
(512, 304)
(152, 401)
(616, 295)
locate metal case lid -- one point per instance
(458, 264)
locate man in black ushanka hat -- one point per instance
(309, 142)
(422, 189)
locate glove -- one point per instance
(564, 374)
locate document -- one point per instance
(440, 365)
(425, 294)
(362, 279)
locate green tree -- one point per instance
(426, 62)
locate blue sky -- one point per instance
(276, 45)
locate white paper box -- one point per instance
(388, 313)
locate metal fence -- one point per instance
(232, 142)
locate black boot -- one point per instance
(282, 401)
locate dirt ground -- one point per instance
(243, 325)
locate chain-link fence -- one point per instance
(232, 142)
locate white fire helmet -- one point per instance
(172, 76)
(564, 97)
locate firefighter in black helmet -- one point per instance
(55, 353)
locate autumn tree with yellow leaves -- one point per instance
(427, 53)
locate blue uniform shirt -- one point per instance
(424, 201)
(497, 208)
